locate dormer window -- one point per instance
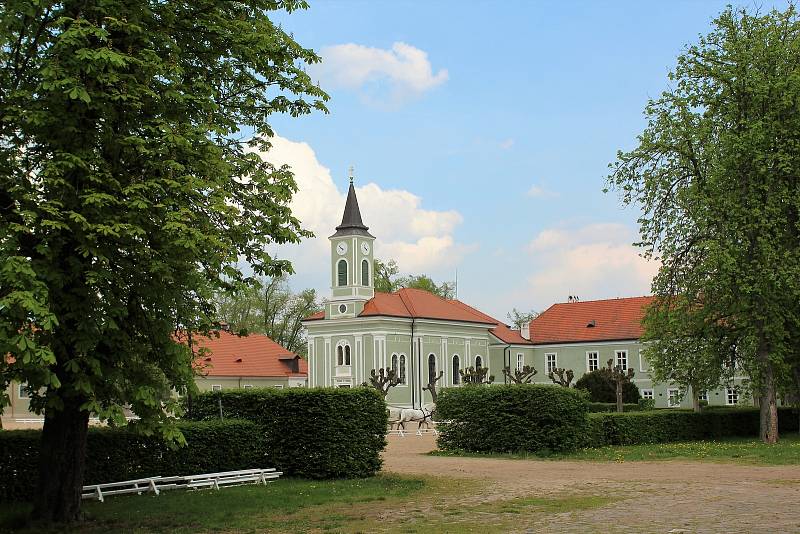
(591, 324)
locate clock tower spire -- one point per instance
(351, 261)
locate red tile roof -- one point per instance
(254, 356)
(614, 319)
(420, 304)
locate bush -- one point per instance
(117, 454)
(511, 418)
(602, 387)
(663, 426)
(606, 407)
(313, 433)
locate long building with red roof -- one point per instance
(426, 338)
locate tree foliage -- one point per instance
(518, 318)
(383, 380)
(561, 377)
(269, 307)
(716, 173)
(601, 386)
(388, 281)
(473, 376)
(127, 196)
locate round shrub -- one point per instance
(511, 418)
(602, 388)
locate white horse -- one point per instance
(422, 415)
(394, 416)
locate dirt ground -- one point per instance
(661, 496)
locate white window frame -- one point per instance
(478, 357)
(648, 394)
(617, 359)
(216, 387)
(702, 395)
(669, 398)
(641, 363)
(589, 360)
(547, 368)
(22, 391)
(520, 361)
(247, 386)
(402, 371)
(347, 272)
(347, 353)
(278, 386)
(731, 392)
(456, 378)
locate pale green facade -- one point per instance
(343, 348)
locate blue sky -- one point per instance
(484, 131)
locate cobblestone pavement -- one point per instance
(664, 496)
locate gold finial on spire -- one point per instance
(350, 173)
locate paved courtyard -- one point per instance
(664, 496)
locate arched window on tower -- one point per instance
(456, 368)
(402, 369)
(365, 273)
(339, 355)
(431, 367)
(341, 273)
(478, 362)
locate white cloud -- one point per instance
(399, 73)
(538, 191)
(507, 144)
(594, 261)
(420, 240)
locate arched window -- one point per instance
(339, 355)
(456, 368)
(343, 353)
(431, 366)
(347, 354)
(478, 362)
(394, 363)
(341, 273)
(402, 369)
(365, 273)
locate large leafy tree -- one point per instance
(127, 196)
(716, 175)
(387, 280)
(270, 308)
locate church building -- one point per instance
(420, 334)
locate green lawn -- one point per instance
(287, 505)
(733, 450)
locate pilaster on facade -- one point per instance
(328, 381)
(311, 360)
(359, 372)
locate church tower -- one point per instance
(352, 279)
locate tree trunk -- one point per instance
(768, 405)
(695, 400)
(62, 459)
(619, 396)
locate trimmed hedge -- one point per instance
(511, 418)
(605, 407)
(117, 454)
(313, 433)
(667, 425)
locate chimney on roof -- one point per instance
(525, 331)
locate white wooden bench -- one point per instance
(158, 484)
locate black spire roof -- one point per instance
(351, 220)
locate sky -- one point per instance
(481, 134)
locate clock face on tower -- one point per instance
(365, 248)
(341, 248)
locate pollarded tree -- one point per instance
(383, 380)
(715, 174)
(127, 199)
(520, 376)
(431, 387)
(561, 377)
(601, 387)
(476, 377)
(619, 377)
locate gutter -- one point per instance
(411, 367)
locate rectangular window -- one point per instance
(520, 361)
(22, 391)
(622, 359)
(647, 394)
(673, 398)
(731, 396)
(551, 362)
(216, 387)
(703, 396)
(593, 361)
(643, 367)
(280, 386)
(248, 386)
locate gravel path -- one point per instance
(666, 496)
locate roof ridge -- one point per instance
(612, 299)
